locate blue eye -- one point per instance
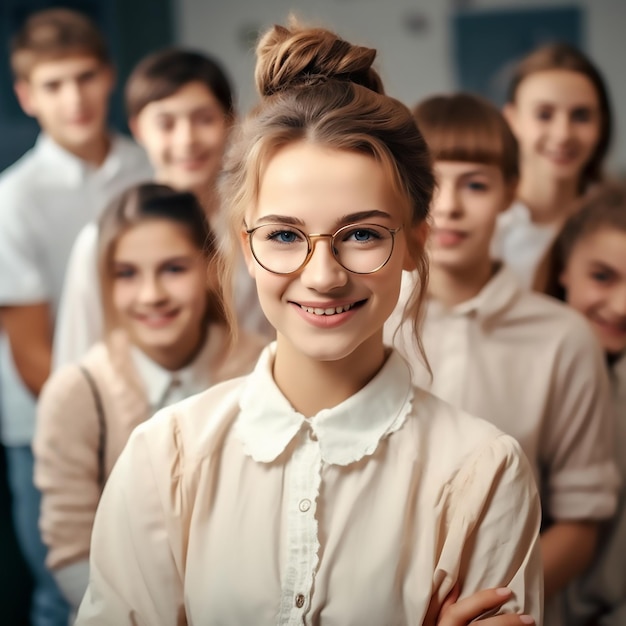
(475, 185)
(124, 273)
(283, 236)
(362, 235)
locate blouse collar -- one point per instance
(162, 385)
(346, 433)
(496, 296)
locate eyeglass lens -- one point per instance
(359, 248)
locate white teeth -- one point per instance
(329, 311)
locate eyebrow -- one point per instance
(350, 218)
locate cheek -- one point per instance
(190, 290)
(122, 297)
(584, 294)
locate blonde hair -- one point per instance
(55, 34)
(316, 87)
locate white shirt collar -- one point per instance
(163, 387)
(346, 433)
(73, 169)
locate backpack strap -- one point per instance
(101, 423)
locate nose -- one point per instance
(618, 300)
(183, 133)
(323, 273)
(560, 128)
(73, 96)
(151, 291)
(446, 202)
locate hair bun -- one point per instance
(296, 56)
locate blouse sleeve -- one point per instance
(577, 446)
(66, 466)
(493, 534)
(136, 568)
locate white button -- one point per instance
(299, 600)
(304, 505)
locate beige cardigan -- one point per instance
(67, 432)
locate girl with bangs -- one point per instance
(323, 488)
(166, 340)
(558, 108)
(518, 359)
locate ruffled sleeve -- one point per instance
(493, 522)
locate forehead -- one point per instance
(63, 68)
(152, 241)
(189, 98)
(606, 245)
(558, 86)
(456, 169)
(310, 181)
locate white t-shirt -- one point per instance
(45, 199)
(80, 321)
(233, 508)
(520, 243)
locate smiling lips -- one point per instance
(327, 311)
(448, 237)
(156, 320)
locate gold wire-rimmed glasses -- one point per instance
(359, 248)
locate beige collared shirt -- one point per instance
(532, 367)
(232, 508)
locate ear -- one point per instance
(247, 253)
(416, 238)
(510, 193)
(23, 93)
(509, 111)
(111, 77)
(133, 125)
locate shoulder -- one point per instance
(131, 154)
(67, 387)
(551, 321)
(465, 449)
(17, 183)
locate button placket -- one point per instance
(302, 538)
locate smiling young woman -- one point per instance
(323, 487)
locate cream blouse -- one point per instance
(232, 508)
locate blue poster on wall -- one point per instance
(489, 43)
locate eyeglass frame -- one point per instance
(313, 237)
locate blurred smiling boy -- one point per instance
(63, 78)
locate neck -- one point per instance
(174, 358)
(312, 385)
(94, 153)
(454, 287)
(548, 200)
